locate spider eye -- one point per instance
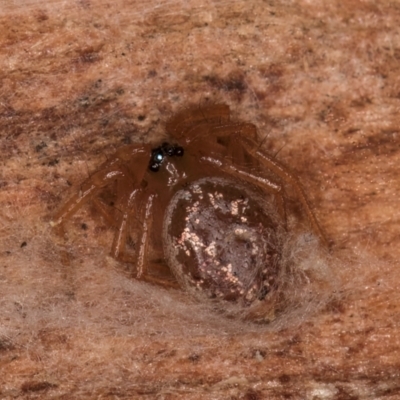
(168, 149)
(154, 166)
(157, 157)
(178, 151)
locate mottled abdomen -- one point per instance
(222, 241)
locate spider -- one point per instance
(207, 205)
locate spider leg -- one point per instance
(139, 205)
(240, 144)
(121, 194)
(120, 237)
(130, 205)
(287, 177)
(178, 126)
(144, 240)
(237, 154)
(232, 129)
(263, 182)
(101, 208)
(240, 159)
(222, 132)
(111, 171)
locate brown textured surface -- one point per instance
(80, 79)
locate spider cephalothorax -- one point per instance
(209, 202)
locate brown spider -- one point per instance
(204, 201)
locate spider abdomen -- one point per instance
(222, 241)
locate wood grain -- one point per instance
(79, 79)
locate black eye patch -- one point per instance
(159, 153)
